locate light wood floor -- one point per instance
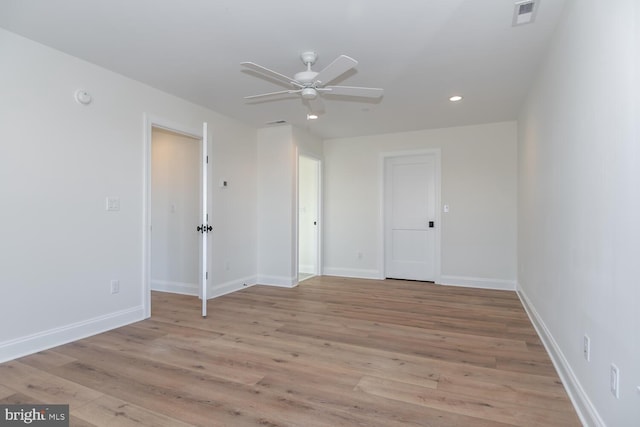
(331, 352)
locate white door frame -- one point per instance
(297, 215)
(436, 152)
(149, 123)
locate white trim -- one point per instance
(175, 287)
(383, 156)
(478, 282)
(587, 412)
(149, 123)
(295, 214)
(45, 340)
(232, 286)
(281, 281)
(353, 272)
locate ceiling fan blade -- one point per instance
(270, 73)
(339, 66)
(366, 92)
(280, 92)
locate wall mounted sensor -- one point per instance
(83, 97)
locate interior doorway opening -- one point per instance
(175, 254)
(308, 217)
(175, 211)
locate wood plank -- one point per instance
(43, 386)
(46, 359)
(480, 407)
(107, 410)
(5, 391)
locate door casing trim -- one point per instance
(382, 158)
(150, 122)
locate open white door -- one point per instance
(196, 281)
(204, 227)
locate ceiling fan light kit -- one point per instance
(310, 85)
(309, 93)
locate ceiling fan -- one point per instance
(310, 84)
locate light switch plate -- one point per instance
(113, 204)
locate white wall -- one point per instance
(478, 183)
(175, 212)
(59, 161)
(278, 149)
(579, 205)
(276, 207)
(307, 143)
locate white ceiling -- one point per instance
(420, 51)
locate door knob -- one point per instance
(204, 228)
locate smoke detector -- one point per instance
(524, 12)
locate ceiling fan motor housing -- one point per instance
(305, 76)
(309, 93)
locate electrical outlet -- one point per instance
(359, 255)
(115, 286)
(614, 381)
(586, 348)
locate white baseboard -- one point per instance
(45, 340)
(231, 286)
(281, 281)
(175, 287)
(478, 282)
(588, 414)
(352, 272)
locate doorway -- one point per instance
(411, 217)
(175, 207)
(308, 217)
(175, 221)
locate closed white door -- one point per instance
(410, 215)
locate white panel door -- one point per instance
(410, 215)
(205, 228)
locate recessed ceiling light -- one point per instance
(312, 116)
(455, 98)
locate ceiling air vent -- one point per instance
(276, 122)
(524, 12)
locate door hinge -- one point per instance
(207, 159)
(206, 275)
